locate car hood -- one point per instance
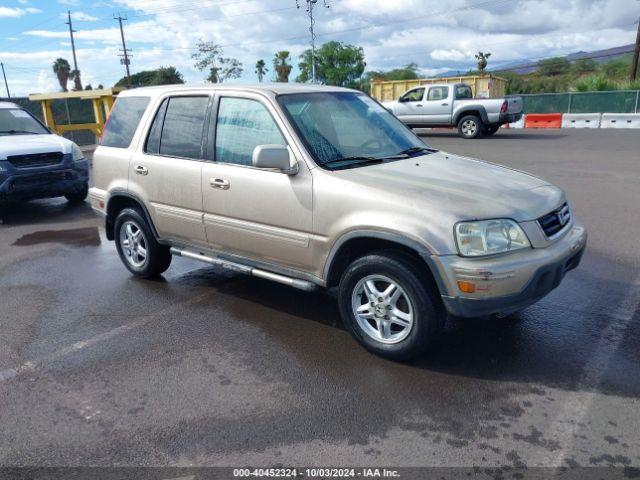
(24, 144)
(459, 187)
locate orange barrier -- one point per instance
(543, 120)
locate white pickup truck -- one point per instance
(453, 105)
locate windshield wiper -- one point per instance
(412, 150)
(356, 159)
(13, 132)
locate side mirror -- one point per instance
(402, 99)
(275, 157)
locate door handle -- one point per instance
(141, 170)
(419, 105)
(219, 183)
(445, 104)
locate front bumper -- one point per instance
(510, 282)
(43, 182)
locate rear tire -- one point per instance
(470, 127)
(389, 306)
(138, 249)
(78, 196)
(490, 130)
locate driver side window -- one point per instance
(413, 95)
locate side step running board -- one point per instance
(238, 267)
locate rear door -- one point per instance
(166, 171)
(252, 212)
(437, 105)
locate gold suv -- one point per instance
(315, 186)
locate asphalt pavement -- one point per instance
(205, 367)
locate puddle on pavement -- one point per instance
(77, 236)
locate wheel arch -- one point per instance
(356, 244)
(477, 110)
(119, 201)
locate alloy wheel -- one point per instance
(382, 309)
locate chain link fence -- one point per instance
(65, 112)
(617, 101)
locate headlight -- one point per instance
(488, 237)
(76, 153)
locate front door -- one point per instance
(261, 214)
(166, 171)
(411, 106)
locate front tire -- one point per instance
(389, 306)
(470, 127)
(138, 249)
(78, 196)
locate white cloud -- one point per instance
(80, 16)
(17, 12)
(438, 36)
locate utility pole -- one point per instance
(310, 5)
(636, 54)
(125, 51)
(5, 80)
(76, 77)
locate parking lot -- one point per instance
(205, 367)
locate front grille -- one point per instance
(39, 179)
(555, 221)
(35, 159)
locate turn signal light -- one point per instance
(466, 287)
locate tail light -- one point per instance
(505, 106)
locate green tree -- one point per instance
(336, 64)
(62, 69)
(160, 76)
(553, 66)
(261, 69)
(209, 56)
(282, 66)
(584, 65)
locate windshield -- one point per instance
(15, 121)
(343, 130)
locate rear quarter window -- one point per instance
(123, 121)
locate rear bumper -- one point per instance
(509, 283)
(45, 182)
(509, 118)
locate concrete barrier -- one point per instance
(620, 120)
(581, 120)
(543, 120)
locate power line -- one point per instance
(5, 80)
(636, 53)
(76, 73)
(125, 51)
(310, 5)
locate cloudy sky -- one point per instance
(437, 35)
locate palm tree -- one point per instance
(283, 69)
(75, 76)
(261, 69)
(62, 69)
(482, 61)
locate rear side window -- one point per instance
(463, 92)
(183, 127)
(123, 121)
(153, 140)
(438, 93)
